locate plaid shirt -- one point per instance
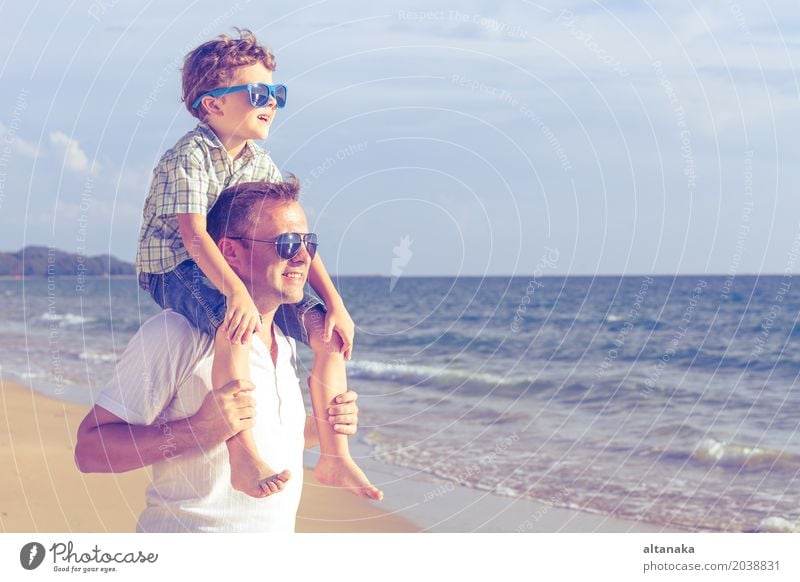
(187, 180)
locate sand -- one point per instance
(41, 490)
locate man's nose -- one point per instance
(302, 256)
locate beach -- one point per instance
(41, 490)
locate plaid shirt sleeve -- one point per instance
(187, 183)
(274, 174)
(266, 170)
(182, 187)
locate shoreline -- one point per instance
(438, 505)
(42, 491)
(64, 276)
(501, 276)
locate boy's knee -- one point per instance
(320, 347)
(313, 321)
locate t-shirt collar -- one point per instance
(209, 136)
(212, 140)
(280, 340)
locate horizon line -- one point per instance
(470, 276)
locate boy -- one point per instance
(227, 85)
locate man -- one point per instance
(161, 410)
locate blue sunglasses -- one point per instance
(259, 94)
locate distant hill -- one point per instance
(36, 261)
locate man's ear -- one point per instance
(231, 252)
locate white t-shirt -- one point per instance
(163, 375)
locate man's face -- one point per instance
(271, 279)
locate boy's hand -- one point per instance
(339, 320)
(242, 318)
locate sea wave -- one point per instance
(777, 525)
(66, 319)
(118, 323)
(742, 457)
(97, 356)
(463, 381)
(677, 430)
(614, 320)
(485, 341)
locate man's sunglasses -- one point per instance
(259, 94)
(288, 244)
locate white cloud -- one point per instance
(26, 148)
(75, 158)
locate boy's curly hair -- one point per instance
(212, 64)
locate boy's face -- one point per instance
(234, 117)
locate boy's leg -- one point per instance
(328, 380)
(187, 290)
(249, 473)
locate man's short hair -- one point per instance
(213, 64)
(238, 208)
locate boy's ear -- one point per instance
(210, 105)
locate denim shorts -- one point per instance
(188, 291)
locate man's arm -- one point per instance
(343, 416)
(108, 444)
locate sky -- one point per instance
(456, 138)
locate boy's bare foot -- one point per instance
(343, 472)
(257, 479)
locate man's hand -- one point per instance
(225, 412)
(338, 319)
(343, 415)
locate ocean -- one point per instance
(670, 400)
